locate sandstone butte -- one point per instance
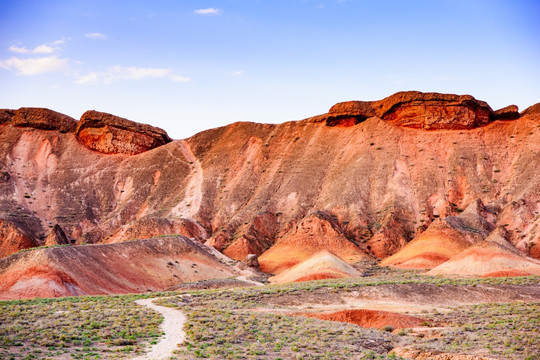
(412, 180)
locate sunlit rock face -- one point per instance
(361, 181)
(111, 134)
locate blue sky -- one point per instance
(187, 66)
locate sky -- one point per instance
(187, 66)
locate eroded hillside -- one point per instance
(362, 181)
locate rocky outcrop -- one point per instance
(532, 110)
(13, 239)
(57, 237)
(250, 261)
(111, 134)
(414, 109)
(251, 238)
(371, 318)
(509, 112)
(38, 118)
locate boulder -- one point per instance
(250, 261)
(109, 134)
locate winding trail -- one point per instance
(172, 325)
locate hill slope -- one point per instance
(129, 267)
(380, 171)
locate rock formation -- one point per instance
(57, 237)
(13, 239)
(371, 318)
(494, 256)
(322, 265)
(315, 232)
(365, 179)
(38, 118)
(111, 134)
(429, 111)
(133, 266)
(443, 239)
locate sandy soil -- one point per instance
(172, 325)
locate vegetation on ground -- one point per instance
(86, 327)
(256, 323)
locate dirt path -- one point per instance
(172, 325)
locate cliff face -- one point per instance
(369, 176)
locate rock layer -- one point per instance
(38, 118)
(414, 109)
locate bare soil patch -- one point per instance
(370, 318)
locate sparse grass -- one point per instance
(509, 331)
(80, 328)
(225, 324)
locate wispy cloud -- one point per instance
(61, 41)
(237, 73)
(18, 49)
(120, 73)
(41, 49)
(208, 11)
(96, 35)
(34, 66)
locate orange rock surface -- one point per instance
(381, 171)
(308, 237)
(111, 134)
(128, 267)
(371, 318)
(494, 256)
(444, 238)
(13, 239)
(322, 265)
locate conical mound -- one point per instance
(322, 265)
(442, 240)
(493, 257)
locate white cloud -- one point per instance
(181, 79)
(237, 73)
(208, 11)
(34, 66)
(61, 41)
(119, 73)
(96, 35)
(18, 50)
(43, 49)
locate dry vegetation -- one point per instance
(257, 323)
(76, 328)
